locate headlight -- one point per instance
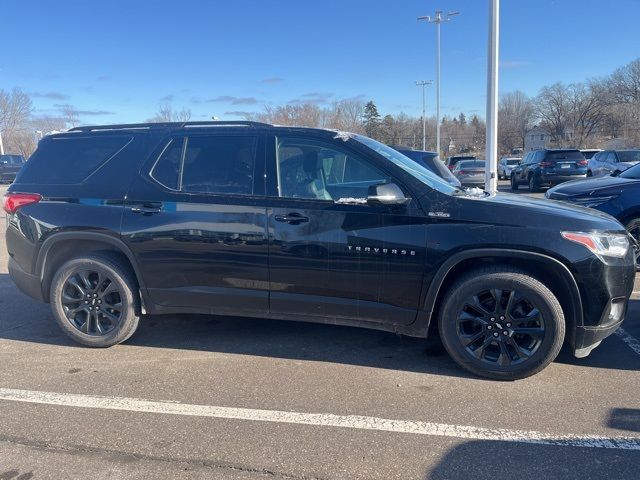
(601, 244)
(591, 201)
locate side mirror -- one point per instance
(386, 194)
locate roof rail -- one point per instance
(149, 126)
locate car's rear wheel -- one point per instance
(501, 323)
(95, 300)
(589, 173)
(534, 186)
(633, 227)
(514, 183)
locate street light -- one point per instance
(437, 19)
(423, 84)
(1, 144)
(493, 52)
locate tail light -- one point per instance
(547, 164)
(11, 202)
(462, 172)
(583, 163)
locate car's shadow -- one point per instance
(30, 321)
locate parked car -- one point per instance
(505, 165)
(451, 161)
(548, 167)
(431, 161)
(590, 152)
(618, 195)
(10, 165)
(470, 173)
(612, 161)
(250, 219)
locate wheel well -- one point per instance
(549, 274)
(64, 250)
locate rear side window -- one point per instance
(219, 164)
(70, 160)
(166, 171)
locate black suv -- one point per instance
(249, 219)
(549, 167)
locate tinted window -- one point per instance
(70, 160)
(219, 164)
(472, 164)
(565, 155)
(513, 161)
(167, 169)
(315, 170)
(629, 156)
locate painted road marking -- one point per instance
(318, 419)
(632, 342)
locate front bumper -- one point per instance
(26, 282)
(605, 290)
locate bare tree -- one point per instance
(515, 114)
(166, 113)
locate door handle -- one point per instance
(292, 218)
(146, 209)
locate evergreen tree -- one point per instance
(462, 119)
(371, 120)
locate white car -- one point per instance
(505, 165)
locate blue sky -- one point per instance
(118, 60)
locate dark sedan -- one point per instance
(618, 195)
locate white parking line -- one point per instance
(632, 342)
(318, 419)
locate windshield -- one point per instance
(633, 172)
(513, 161)
(629, 155)
(416, 170)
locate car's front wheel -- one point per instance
(95, 300)
(514, 183)
(501, 323)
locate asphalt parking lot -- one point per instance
(215, 397)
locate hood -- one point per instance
(588, 186)
(513, 209)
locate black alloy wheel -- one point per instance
(500, 327)
(92, 302)
(501, 323)
(95, 300)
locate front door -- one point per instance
(332, 255)
(196, 221)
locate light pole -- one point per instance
(437, 19)
(1, 144)
(423, 84)
(493, 53)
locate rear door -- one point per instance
(195, 219)
(332, 255)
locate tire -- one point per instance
(589, 173)
(514, 183)
(468, 333)
(534, 186)
(633, 227)
(95, 300)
